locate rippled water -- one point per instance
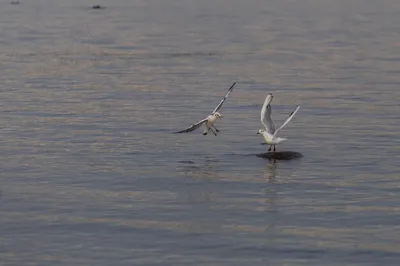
(91, 174)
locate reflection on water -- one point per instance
(201, 170)
(270, 190)
(270, 173)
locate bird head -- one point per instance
(260, 131)
(218, 115)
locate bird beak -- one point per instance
(258, 133)
(221, 117)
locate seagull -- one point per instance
(269, 133)
(210, 120)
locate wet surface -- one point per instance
(91, 173)
(280, 155)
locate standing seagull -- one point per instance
(269, 133)
(211, 119)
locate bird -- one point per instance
(210, 120)
(269, 132)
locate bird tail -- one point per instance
(281, 139)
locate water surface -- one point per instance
(91, 174)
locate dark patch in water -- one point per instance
(188, 162)
(280, 155)
(98, 7)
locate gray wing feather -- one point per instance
(266, 115)
(292, 114)
(223, 100)
(192, 127)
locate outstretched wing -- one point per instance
(288, 119)
(266, 115)
(223, 100)
(193, 127)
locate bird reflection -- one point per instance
(271, 194)
(270, 173)
(204, 192)
(205, 170)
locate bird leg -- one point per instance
(213, 131)
(215, 128)
(274, 148)
(270, 147)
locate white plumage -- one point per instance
(210, 120)
(269, 133)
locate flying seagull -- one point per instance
(269, 133)
(210, 120)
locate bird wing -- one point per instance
(223, 100)
(193, 127)
(266, 115)
(292, 114)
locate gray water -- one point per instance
(91, 174)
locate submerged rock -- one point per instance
(280, 155)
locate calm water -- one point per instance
(91, 174)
